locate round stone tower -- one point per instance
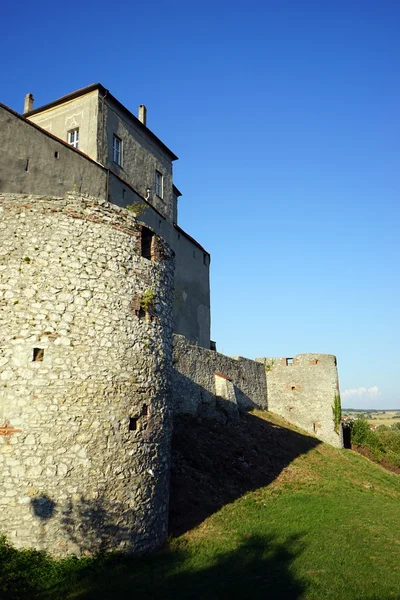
(85, 360)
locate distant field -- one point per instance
(387, 417)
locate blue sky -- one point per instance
(285, 116)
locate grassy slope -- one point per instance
(278, 515)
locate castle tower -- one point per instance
(85, 358)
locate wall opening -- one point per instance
(133, 421)
(145, 410)
(289, 361)
(146, 244)
(56, 154)
(141, 313)
(38, 354)
(27, 164)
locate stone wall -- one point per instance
(85, 411)
(205, 381)
(302, 389)
(33, 161)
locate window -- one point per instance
(147, 242)
(73, 137)
(117, 150)
(159, 184)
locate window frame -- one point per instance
(159, 184)
(73, 137)
(117, 152)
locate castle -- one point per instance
(90, 296)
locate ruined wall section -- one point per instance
(85, 414)
(302, 389)
(205, 381)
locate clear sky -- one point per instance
(285, 116)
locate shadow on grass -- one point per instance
(259, 567)
(214, 463)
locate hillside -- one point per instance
(261, 511)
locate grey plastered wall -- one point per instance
(194, 370)
(141, 158)
(192, 290)
(192, 268)
(32, 162)
(303, 391)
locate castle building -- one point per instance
(137, 171)
(90, 295)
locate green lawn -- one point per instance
(327, 527)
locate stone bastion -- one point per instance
(85, 363)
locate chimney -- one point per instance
(142, 114)
(28, 104)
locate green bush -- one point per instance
(383, 443)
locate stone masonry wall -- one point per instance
(85, 412)
(205, 381)
(302, 389)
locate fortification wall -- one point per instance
(206, 381)
(85, 412)
(302, 389)
(34, 162)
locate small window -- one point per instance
(73, 137)
(289, 361)
(205, 259)
(117, 150)
(159, 184)
(56, 155)
(38, 354)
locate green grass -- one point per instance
(325, 528)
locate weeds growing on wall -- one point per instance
(337, 412)
(139, 208)
(269, 365)
(147, 300)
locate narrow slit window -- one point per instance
(27, 164)
(141, 313)
(38, 354)
(147, 241)
(159, 184)
(56, 154)
(133, 421)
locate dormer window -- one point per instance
(73, 137)
(117, 150)
(159, 184)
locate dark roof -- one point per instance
(105, 93)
